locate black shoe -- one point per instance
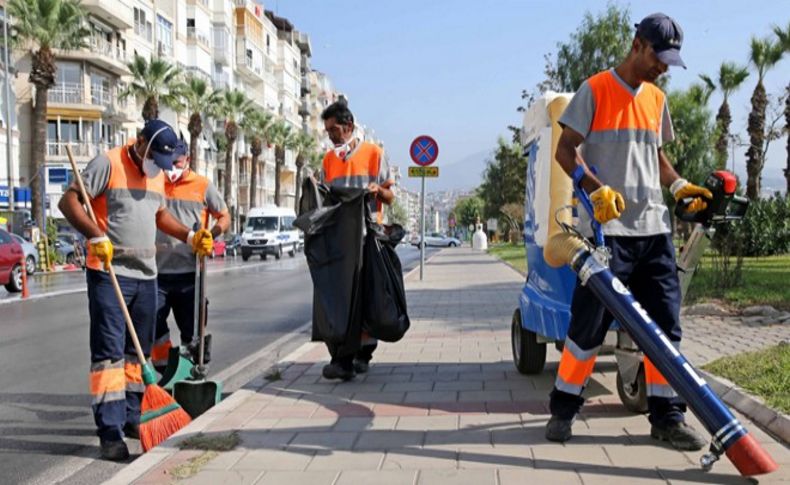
(559, 430)
(336, 371)
(361, 366)
(680, 435)
(114, 450)
(132, 430)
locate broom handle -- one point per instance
(115, 285)
(203, 310)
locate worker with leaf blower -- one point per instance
(127, 194)
(623, 121)
(190, 198)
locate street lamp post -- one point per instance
(8, 139)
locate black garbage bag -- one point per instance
(332, 219)
(383, 293)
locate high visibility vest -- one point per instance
(126, 213)
(362, 167)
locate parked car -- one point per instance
(232, 244)
(218, 249)
(10, 262)
(437, 240)
(71, 248)
(31, 253)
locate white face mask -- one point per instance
(344, 149)
(175, 173)
(150, 168)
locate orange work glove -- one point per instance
(101, 247)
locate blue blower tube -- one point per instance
(729, 436)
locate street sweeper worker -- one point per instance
(360, 164)
(127, 193)
(623, 121)
(189, 197)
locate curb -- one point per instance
(772, 421)
(149, 460)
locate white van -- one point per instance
(269, 230)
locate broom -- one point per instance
(161, 414)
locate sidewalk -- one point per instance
(444, 405)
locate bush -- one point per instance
(764, 231)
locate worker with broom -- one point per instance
(190, 198)
(127, 205)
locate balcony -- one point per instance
(221, 80)
(305, 85)
(247, 68)
(66, 93)
(198, 36)
(101, 53)
(221, 53)
(79, 149)
(115, 12)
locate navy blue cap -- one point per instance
(665, 35)
(162, 141)
(181, 148)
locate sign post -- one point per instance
(423, 151)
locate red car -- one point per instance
(11, 254)
(218, 249)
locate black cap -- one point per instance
(665, 35)
(162, 141)
(181, 148)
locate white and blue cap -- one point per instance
(665, 35)
(162, 142)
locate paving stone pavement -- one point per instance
(446, 406)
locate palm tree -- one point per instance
(305, 148)
(256, 127)
(283, 139)
(764, 55)
(784, 40)
(201, 102)
(731, 76)
(233, 106)
(40, 27)
(155, 82)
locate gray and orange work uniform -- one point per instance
(361, 166)
(623, 130)
(126, 203)
(189, 199)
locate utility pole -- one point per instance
(8, 138)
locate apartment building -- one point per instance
(7, 180)
(229, 43)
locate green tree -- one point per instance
(39, 27)
(783, 36)
(256, 125)
(156, 82)
(764, 55)
(599, 43)
(468, 210)
(504, 179)
(305, 148)
(283, 139)
(233, 106)
(396, 214)
(731, 76)
(201, 102)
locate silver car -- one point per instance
(31, 253)
(437, 240)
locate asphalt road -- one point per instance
(46, 428)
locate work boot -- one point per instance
(337, 371)
(680, 435)
(559, 430)
(193, 348)
(361, 366)
(131, 430)
(114, 450)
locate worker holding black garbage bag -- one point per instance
(357, 278)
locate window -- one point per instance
(69, 73)
(262, 223)
(4, 238)
(164, 36)
(268, 43)
(142, 26)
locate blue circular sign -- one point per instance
(424, 150)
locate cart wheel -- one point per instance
(633, 396)
(529, 355)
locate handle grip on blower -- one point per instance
(121, 301)
(585, 201)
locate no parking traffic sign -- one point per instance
(424, 150)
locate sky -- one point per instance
(455, 69)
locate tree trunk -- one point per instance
(279, 160)
(151, 109)
(228, 185)
(723, 120)
(195, 128)
(754, 155)
(256, 148)
(298, 188)
(787, 129)
(42, 76)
